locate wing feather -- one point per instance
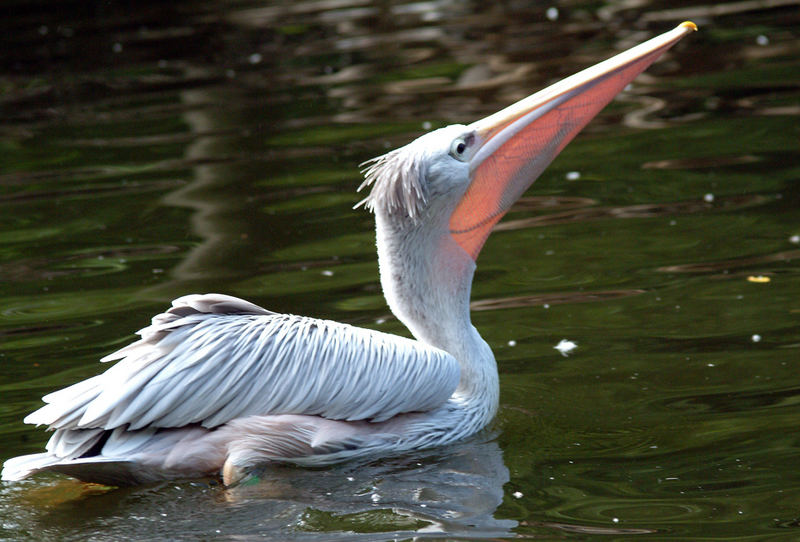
(211, 359)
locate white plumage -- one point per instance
(207, 369)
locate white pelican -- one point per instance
(218, 384)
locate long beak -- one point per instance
(515, 145)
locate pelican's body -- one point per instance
(219, 385)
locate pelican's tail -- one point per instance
(98, 469)
(121, 458)
(19, 468)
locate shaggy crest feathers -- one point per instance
(396, 180)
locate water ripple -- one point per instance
(539, 300)
(647, 210)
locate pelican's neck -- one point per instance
(427, 279)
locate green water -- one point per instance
(155, 151)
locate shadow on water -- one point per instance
(155, 149)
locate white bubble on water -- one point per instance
(565, 347)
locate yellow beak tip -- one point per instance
(688, 24)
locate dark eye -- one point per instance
(459, 149)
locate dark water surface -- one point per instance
(154, 149)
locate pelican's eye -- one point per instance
(460, 147)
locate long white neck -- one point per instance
(427, 279)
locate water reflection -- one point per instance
(211, 130)
(432, 51)
(453, 492)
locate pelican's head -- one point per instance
(465, 178)
(415, 180)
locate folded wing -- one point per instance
(212, 358)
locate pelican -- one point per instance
(218, 385)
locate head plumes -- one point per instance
(396, 180)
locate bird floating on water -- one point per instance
(219, 385)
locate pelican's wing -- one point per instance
(212, 358)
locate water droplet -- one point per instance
(573, 175)
(551, 13)
(517, 494)
(755, 338)
(708, 198)
(255, 58)
(512, 342)
(117, 47)
(762, 40)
